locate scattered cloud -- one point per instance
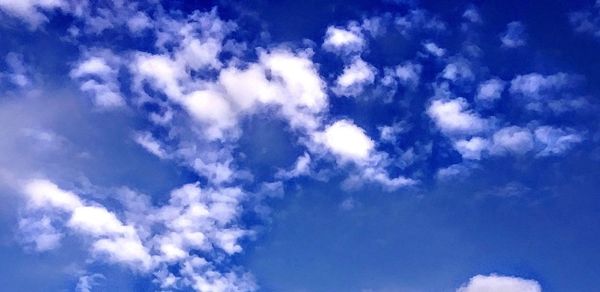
(498, 283)
(514, 36)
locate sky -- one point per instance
(394, 145)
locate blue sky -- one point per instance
(299, 145)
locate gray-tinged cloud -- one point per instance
(514, 36)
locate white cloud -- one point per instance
(409, 74)
(139, 22)
(472, 148)
(418, 20)
(31, 11)
(472, 14)
(535, 85)
(513, 140)
(498, 283)
(434, 49)
(490, 90)
(151, 145)
(17, 73)
(454, 117)
(87, 282)
(556, 141)
(451, 172)
(355, 78)
(457, 70)
(514, 36)
(347, 141)
(344, 40)
(301, 167)
(98, 74)
(390, 133)
(153, 237)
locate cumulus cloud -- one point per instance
(514, 36)
(344, 40)
(434, 49)
(498, 283)
(513, 140)
(458, 69)
(347, 141)
(472, 148)
(555, 93)
(152, 238)
(454, 117)
(98, 74)
(409, 74)
(490, 90)
(355, 78)
(31, 11)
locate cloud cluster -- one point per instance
(191, 230)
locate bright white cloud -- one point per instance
(355, 78)
(454, 117)
(347, 141)
(498, 283)
(472, 148)
(344, 40)
(153, 237)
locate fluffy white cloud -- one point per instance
(98, 73)
(472, 148)
(354, 78)
(454, 117)
(152, 238)
(344, 40)
(514, 36)
(490, 90)
(347, 141)
(498, 283)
